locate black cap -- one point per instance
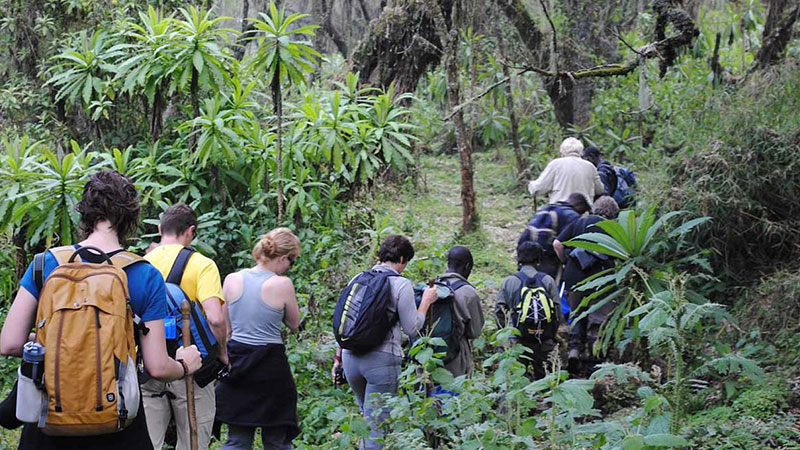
(592, 151)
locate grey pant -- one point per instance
(368, 374)
(241, 438)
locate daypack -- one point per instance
(609, 178)
(361, 320)
(442, 320)
(626, 187)
(543, 227)
(202, 336)
(85, 322)
(534, 312)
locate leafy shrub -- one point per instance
(746, 175)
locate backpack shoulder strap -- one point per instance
(179, 266)
(63, 253)
(539, 278)
(38, 270)
(124, 259)
(522, 277)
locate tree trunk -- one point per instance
(449, 39)
(18, 238)
(155, 117)
(330, 30)
(512, 110)
(195, 108)
(241, 42)
(777, 33)
(278, 106)
(469, 216)
(561, 91)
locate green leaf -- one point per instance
(653, 319)
(665, 440)
(633, 443)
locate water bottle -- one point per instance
(33, 360)
(30, 389)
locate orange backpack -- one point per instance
(86, 325)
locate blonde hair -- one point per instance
(276, 243)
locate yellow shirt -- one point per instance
(201, 279)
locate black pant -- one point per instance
(538, 359)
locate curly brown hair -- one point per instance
(109, 195)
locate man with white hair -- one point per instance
(568, 174)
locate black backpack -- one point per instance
(533, 311)
(442, 320)
(361, 320)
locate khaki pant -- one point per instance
(165, 400)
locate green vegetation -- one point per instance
(260, 128)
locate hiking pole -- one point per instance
(186, 309)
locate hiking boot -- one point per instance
(573, 361)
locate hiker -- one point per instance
(619, 182)
(109, 213)
(604, 169)
(200, 282)
(568, 174)
(529, 300)
(545, 225)
(374, 366)
(261, 391)
(467, 307)
(581, 264)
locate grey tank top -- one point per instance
(253, 321)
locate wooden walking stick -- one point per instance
(186, 309)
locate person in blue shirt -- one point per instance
(547, 223)
(109, 212)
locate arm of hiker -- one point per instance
(503, 303)
(282, 288)
(215, 315)
(559, 249)
(411, 318)
(599, 188)
(543, 184)
(19, 322)
(337, 362)
(476, 320)
(209, 292)
(154, 352)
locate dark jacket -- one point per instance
(608, 176)
(565, 215)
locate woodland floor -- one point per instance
(431, 214)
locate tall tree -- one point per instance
(777, 32)
(283, 57)
(199, 57)
(448, 36)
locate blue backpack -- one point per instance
(202, 336)
(543, 227)
(361, 320)
(626, 187)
